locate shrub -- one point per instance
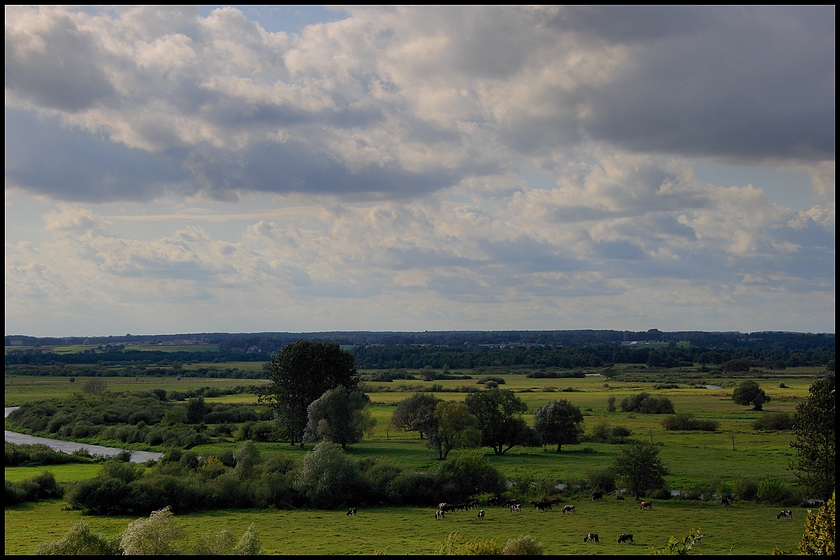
(688, 422)
(79, 541)
(472, 547)
(601, 479)
(774, 491)
(745, 489)
(522, 546)
(774, 421)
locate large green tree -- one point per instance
(816, 439)
(558, 422)
(339, 416)
(455, 428)
(412, 413)
(640, 467)
(749, 393)
(499, 414)
(300, 373)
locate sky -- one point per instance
(407, 168)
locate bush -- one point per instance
(601, 479)
(522, 546)
(647, 404)
(79, 541)
(687, 422)
(774, 491)
(745, 489)
(774, 421)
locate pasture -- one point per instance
(743, 528)
(694, 459)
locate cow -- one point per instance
(516, 507)
(724, 502)
(785, 514)
(480, 514)
(351, 511)
(543, 505)
(495, 501)
(447, 507)
(568, 509)
(597, 496)
(591, 537)
(624, 537)
(554, 501)
(644, 505)
(439, 514)
(511, 502)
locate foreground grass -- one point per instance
(743, 528)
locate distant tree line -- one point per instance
(775, 356)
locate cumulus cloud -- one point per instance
(403, 101)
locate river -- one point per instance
(71, 446)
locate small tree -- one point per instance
(749, 393)
(95, 386)
(339, 416)
(640, 467)
(79, 541)
(327, 477)
(410, 412)
(820, 531)
(156, 535)
(558, 422)
(816, 439)
(456, 428)
(499, 419)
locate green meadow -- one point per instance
(735, 451)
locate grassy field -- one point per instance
(743, 528)
(734, 451)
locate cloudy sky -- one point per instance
(392, 168)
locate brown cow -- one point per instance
(644, 505)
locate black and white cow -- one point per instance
(439, 514)
(568, 509)
(351, 511)
(625, 537)
(591, 537)
(785, 514)
(516, 507)
(480, 514)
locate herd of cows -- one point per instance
(541, 505)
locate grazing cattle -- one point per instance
(516, 507)
(439, 514)
(447, 507)
(591, 537)
(785, 514)
(554, 501)
(597, 496)
(624, 537)
(473, 504)
(495, 501)
(724, 502)
(480, 514)
(568, 509)
(511, 502)
(351, 511)
(644, 505)
(543, 505)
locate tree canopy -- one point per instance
(456, 428)
(339, 416)
(499, 418)
(640, 466)
(558, 422)
(816, 438)
(749, 393)
(412, 413)
(300, 373)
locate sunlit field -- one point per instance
(734, 451)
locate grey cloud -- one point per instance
(68, 164)
(527, 255)
(65, 74)
(623, 250)
(757, 85)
